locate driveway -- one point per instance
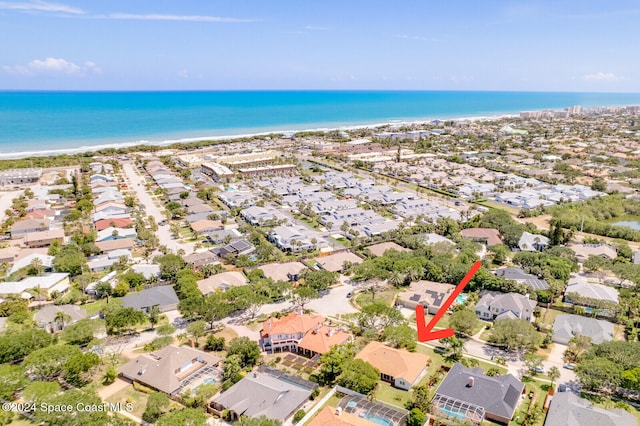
(164, 232)
(556, 353)
(334, 303)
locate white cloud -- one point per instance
(191, 18)
(602, 76)
(40, 6)
(414, 37)
(53, 66)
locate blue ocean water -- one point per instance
(32, 122)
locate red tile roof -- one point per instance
(116, 223)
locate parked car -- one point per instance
(539, 369)
(562, 387)
(569, 365)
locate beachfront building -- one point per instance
(217, 172)
(17, 177)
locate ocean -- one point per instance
(56, 122)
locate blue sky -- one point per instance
(588, 45)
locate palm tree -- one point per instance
(36, 266)
(39, 293)
(61, 318)
(554, 374)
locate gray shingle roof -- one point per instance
(566, 326)
(497, 395)
(262, 394)
(156, 296)
(566, 409)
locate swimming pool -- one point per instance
(208, 381)
(383, 421)
(453, 412)
(461, 298)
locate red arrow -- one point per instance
(424, 331)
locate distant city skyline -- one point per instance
(569, 46)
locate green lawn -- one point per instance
(386, 296)
(548, 316)
(100, 304)
(129, 394)
(540, 392)
(387, 393)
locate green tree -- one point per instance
(16, 345)
(400, 336)
(70, 259)
(11, 380)
(359, 376)
(74, 417)
(214, 343)
(515, 334)
(463, 321)
(154, 316)
(49, 363)
(303, 295)
(379, 315)
(578, 345)
(332, 362)
(247, 349)
(299, 415)
(37, 392)
(533, 362)
(257, 421)
(82, 332)
(184, 417)
(416, 418)
(599, 373)
(166, 330)
(77, 367)
(554, 374)
(157, 404)
(124, 319)
(170, 264)
(197, 329)
(320, 280)
(232, 366)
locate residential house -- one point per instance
(429, 294)
(265, 392)
(401, 368)
(47, 317)
(567, 326)
(124, 243)
(284, 334)
(261, 216)
(519, 276)
(336, 262)
(112, 208)
(496, 306)
(46, 262)
(583, 251)
(568, 409)
(320, 340)
(237, 248)
(201, 259)
(532, 242)
(379, 249)
(112, 233)
(169, 369)
(225, 236)
(206, 227)
(57, 282)
(115, 223)
(289, 271)
(467, 394)
(581, 292)
(149, 271)
(43, 238)
(106, 261)
(291, 238)
(23, 227)
(222, 282)
(487, 236)
(164, 297)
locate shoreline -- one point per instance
(235, 136)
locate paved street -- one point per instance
(164, 232)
